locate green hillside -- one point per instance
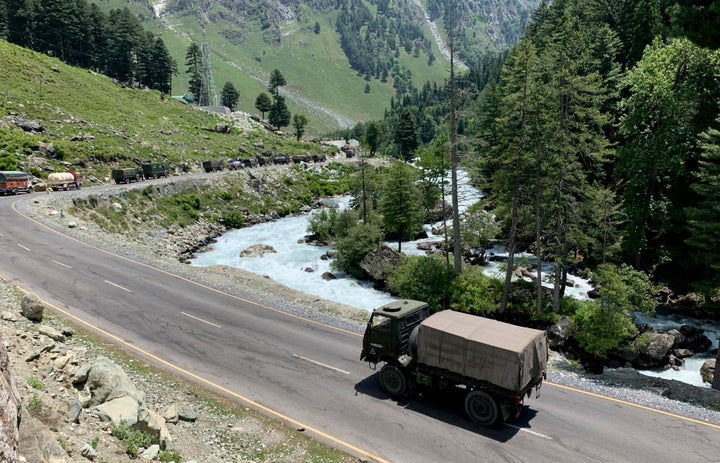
(94, 123)
(247, 40)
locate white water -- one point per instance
(300, 266)
(690, 371)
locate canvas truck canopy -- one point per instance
(502, 354)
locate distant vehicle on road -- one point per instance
(212, 166)
(64, 180)
(155, 170)
(235, 164)
(14, 182)
(127, 175)
(281, 159)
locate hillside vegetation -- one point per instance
(247, 40)
(96, 125)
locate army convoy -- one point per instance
(494, 364)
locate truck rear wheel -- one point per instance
(393, 380)
(482, 408)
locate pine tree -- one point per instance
(670, 102)
(194, 63)
(165, 67)
(263, 103)
(299, 121)
(704, 217)
(230, 96)
(406, 136)
(400, 203)
(279, 115)
(277, 80)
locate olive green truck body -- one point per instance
(495, 364)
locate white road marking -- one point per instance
(529, 431)
(117, 286)
(201, 320)
(27, 249)
(61, 264)
(321, 364)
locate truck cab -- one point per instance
(387, 335)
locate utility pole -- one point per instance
(208, 83)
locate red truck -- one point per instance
(14, 181)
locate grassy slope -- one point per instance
(314, 66)
(127, 124)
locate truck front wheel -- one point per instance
(393, 380)
(482, 408)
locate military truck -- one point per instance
(495, 364)
(212, 166)
(155, 170)
(127, 175)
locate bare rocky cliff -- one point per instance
(9, 409)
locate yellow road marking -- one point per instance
(192, 375)
(643, 407)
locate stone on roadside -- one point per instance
(32, 308)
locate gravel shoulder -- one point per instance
(206, 440)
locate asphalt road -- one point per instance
(310, 375)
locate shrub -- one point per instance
(133, 439)
(626, 287)
(169, 455)
(354, 247)
(329, 224)
(601, 326)
(233, 219)
(35, 404)
(425, 279)
(35, 383)
(474, 292)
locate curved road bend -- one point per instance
(310, 375)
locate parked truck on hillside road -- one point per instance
(495, 364)
(64, 180)
(127, 175)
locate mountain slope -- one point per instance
(336, 75)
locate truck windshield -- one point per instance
(378, 320)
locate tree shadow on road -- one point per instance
(447, 406)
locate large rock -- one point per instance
(106, 381)
(9, 410)
(257, 250)
(32, 308)
(654, 354)
(380, 262)
(693, 338)
(559, 332)
(39, 444)
(123, 410)
(707, 371)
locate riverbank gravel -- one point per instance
(673, 397)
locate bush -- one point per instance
(133, 439)
(169, 455)
(599, 327)
(35, 383)
(330, 224)
(35, 405)
(352, 249)
(474, 292)
(233, 219)
(626, 287)
(425, 279)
